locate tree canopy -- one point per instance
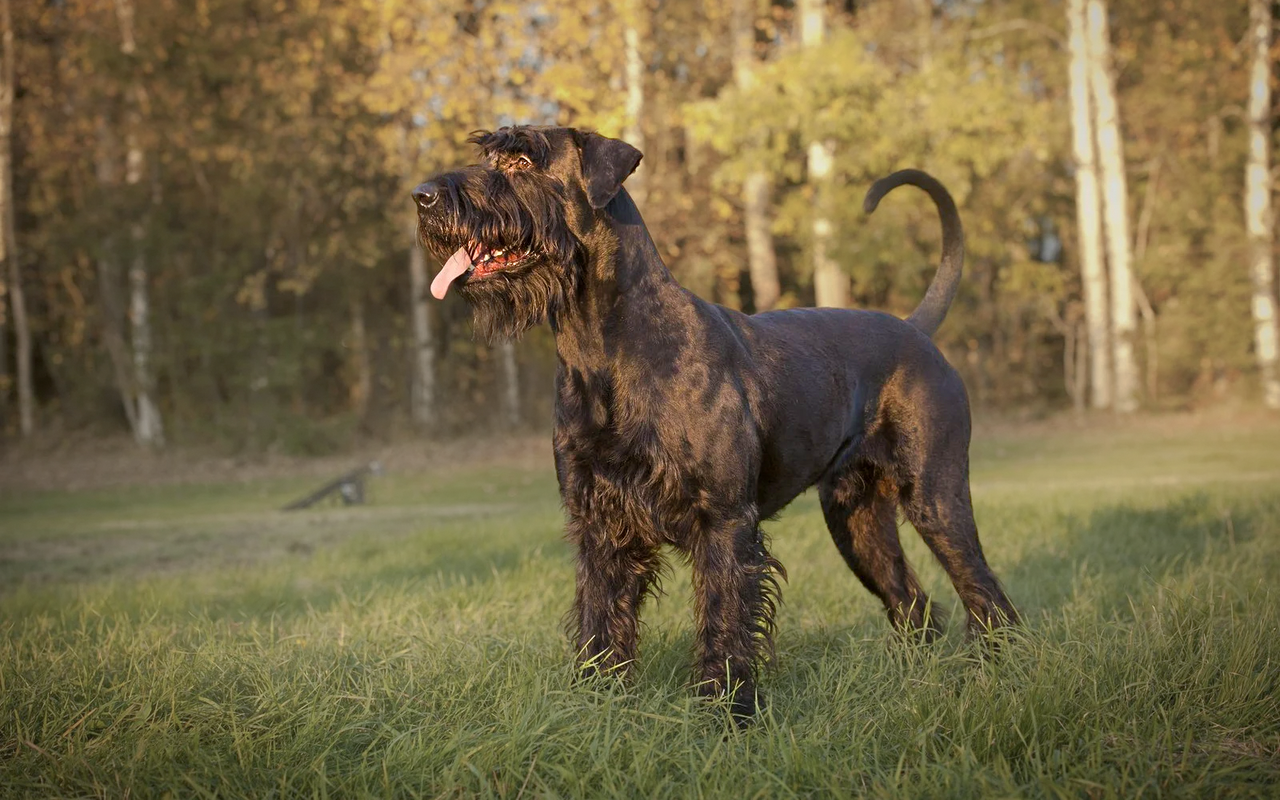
(273, 145)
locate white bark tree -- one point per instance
(422, 399)
(1088, 212)
(1258, 213)
(762, 259)
(830, 284)
(510, 384)
(113, 337)
(112, 307)
(149, 430)
(1115, 206)
(8, 244)
(633, 72)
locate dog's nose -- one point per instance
(426, 194)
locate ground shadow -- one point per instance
(1110, 557)
(1119, 551)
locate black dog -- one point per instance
(683, 423)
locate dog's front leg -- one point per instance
(612, 583)
(735, 595)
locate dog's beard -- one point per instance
(506, 304)
(506, 301)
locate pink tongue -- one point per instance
(457, 264)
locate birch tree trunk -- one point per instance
(510, 384)
(633, 134)
(111, 306)
(1115, 206)
(8, 245)
(762, 259)
(113, 337)
(1088, 212)
(422, 395)
(830, 284)
(1259, 217)
(150, 430)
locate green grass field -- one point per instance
(194, 642)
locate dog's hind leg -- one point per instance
(860, 506)
(938, 504)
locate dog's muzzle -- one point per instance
(427, 197)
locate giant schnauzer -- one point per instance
(680, 422)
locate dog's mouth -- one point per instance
(476, 261)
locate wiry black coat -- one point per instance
(683, 423)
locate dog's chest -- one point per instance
(620, 477)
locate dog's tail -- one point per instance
(933, 308)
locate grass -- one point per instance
(194, 642)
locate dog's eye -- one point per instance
(522, 162)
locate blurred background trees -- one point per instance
(207, 234)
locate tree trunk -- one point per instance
(150, 430)
(1089, 212)
(1259, 217)
(762, 259)
(510, 385)
(113, 337)
(633, 134)
(1075, 367)
(1081, 331)
(111, 306)
(830, 284)
(1115, 203)
(1151, 341)
(8, 244)
(362, 379)
(422, 395)
(260, 426)
(5, 379)
(6, 134)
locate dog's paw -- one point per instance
(742, 703)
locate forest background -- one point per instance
(208, 236)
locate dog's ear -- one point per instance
(606, 163)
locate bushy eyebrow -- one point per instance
(513, 141)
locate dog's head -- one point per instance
(512, 230)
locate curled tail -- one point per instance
(933, 308)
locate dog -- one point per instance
(684, 423)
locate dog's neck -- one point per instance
(638, 265)
(626, 285)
